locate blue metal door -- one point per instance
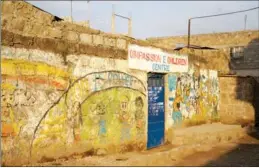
(156, 118)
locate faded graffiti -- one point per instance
(45, 106)
(114, 115)
(124, 118)
(111, 79)
(95, 115)
(193, 95)
(139, 116)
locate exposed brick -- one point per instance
(97, 39)
(7, 38)
(86, 38)
(22, 40)
(62, 47)
(71, 36)
(236, 104)
(46, 44)
(121, 43)
(109, 41)
(18, 24)
(36, 30)
(7, 8)
(22, 10)
(55, 33)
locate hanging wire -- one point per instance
(225, 13)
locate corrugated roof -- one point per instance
(195, 47)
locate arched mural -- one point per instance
(100, 108)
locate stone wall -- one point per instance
(36, 26)
(244, 66)
(216, 40)
(236, 100)
(24, 26)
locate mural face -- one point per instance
(112, 116)
(193, 95)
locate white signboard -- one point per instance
(155, 60)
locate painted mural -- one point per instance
(44, 106)
(112, 114)
(28, 89)
(49, 106)
(193, 96)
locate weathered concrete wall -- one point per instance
(25, 26)
(208, 59)
(42, 31)
(247, 65)
(94, 101)
(217, 40)
(236, 100)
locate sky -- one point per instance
(158, 18)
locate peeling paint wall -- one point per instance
(48, 105)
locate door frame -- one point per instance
(164, 117)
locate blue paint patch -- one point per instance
(127, 79)
(102, 127)
(172, 79)
(177, 117)
(171, 99)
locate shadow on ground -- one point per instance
(245, 154)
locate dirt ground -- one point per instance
(243, 152)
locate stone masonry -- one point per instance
(245, 66)
(236, 100)
(24, 26)
(216, 40)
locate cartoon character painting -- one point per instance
(101, 111)
(124, 118)
(177, 115)
(98, 116)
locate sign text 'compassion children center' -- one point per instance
(155, 60)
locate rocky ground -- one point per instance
(239, 152)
